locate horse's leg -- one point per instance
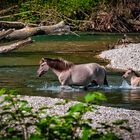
(105, 81)
(100, 82)
(102, 79)
(94, 83)
(86, 88)
(62, 86)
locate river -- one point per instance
(18, 68)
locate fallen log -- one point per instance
(9, 25)
(11, 47)
(4, 33)
(30, 31)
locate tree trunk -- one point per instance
(30, 31)
(11, 47)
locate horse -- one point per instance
(132, 77)
(71, 74)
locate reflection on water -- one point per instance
(18, 69)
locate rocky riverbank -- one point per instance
(101, 114)
(123, 58)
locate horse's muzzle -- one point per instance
(123, 77)
(39, 75)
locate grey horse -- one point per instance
(71, 74)
(132, 77)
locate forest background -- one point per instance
(81, 15)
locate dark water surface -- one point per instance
(18, 69)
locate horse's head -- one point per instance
(128, 74)
(43, 67)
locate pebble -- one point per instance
(100, 114)
(123, 58)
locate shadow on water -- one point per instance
(18, 69)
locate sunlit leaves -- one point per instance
(94, 97)
(77, 108)
(3, 91)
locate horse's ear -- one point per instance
(43, 59)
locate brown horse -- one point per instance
(70, 74)
(131, 76)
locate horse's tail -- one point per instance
(105, 80)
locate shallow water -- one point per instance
(18, 69)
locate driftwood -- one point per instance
(134, 22)
(27, 31)
(122, 42)
(4, 33)
(30, 31)
(11, 47)
(9, 25)
(113, 21)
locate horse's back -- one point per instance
(97, 69)
(92, 68)
(89, 72)
(89, 67)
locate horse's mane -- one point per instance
(59, 64)
(134, 72)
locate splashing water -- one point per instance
(125, 84)
(57, 88)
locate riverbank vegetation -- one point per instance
(19, 120)
(83, 15)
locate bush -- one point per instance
(37, 10)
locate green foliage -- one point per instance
(72, 8)
(79, 107)
(13, 115)
(2, 91)
(34, 11)
(79, 14)
(95, 97)
(17, 117)
(119, 122)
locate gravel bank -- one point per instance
(123, 58)
(101, 114)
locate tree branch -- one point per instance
(19, 44)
